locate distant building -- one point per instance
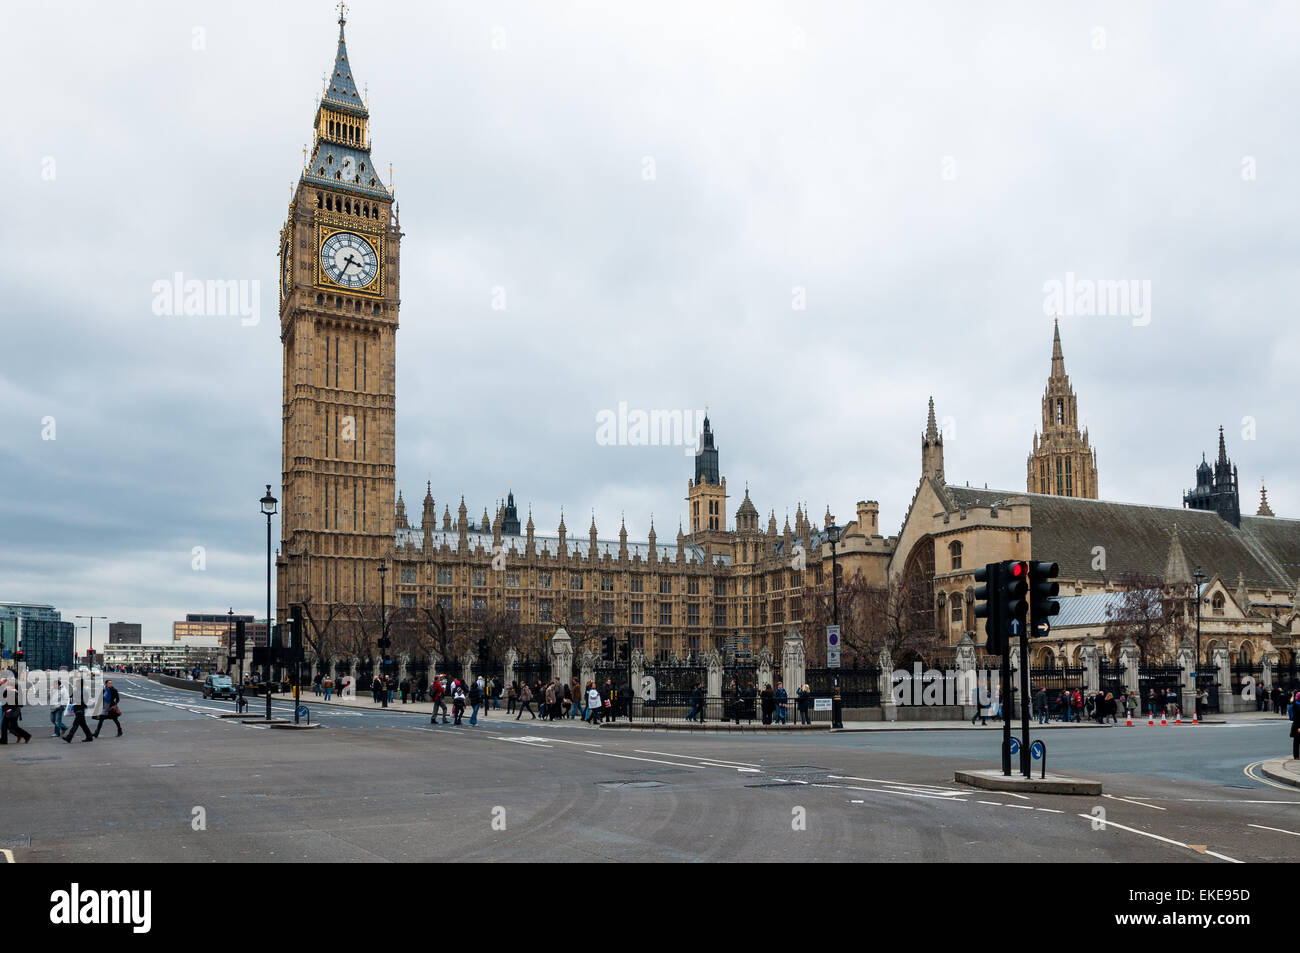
(221, 626)
(39, 630)
(170, 657)
(124, 633)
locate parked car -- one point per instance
(218, 686)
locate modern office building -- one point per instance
(219, 625)
(124, 633)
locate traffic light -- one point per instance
(18, 657)
(239, 640)
(986, 607)
(607, 648)
(1012, 607)
(623, 650)
(1042, 590)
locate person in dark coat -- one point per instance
(769, 704)
(1295, 732)
(79, 710)
(10, 714)
(110, 712)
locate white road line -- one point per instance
(1154, 807)
(1278, 829)
(1020, 807)
(1049, 810)
(7, 854)
(928, 797)
(586, 744)
(931, 789)
(857, 802)
(609, 754)
(994, 803)
(672, 754)
(1168, 840)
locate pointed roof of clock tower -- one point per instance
(340, 88)
(340, 155)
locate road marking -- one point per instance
(1049, 810)
(1168, 840)
(919, 788)
(1020, 807)
(162, 765)
(994, 803)
(1154, 807)
(531, 742)
(610, 754)
(857, 802)
(8, 855)
(1278, 829)
(1249, 772)
(586, 744)
(670, 754)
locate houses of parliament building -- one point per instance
(724, 575)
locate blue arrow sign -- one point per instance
(1014, 626)
(302, 711)
(1036, 750)
(1015, 746)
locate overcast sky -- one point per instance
(655, 188)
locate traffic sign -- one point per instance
(1015, 746)
(832, 646)
(1044, 627)
(1036, 750)
(302, 711)
(821, 704)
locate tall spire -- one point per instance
(931, 449)
(931, 428)
(340, 88)
(1223, 450)
(1058, 358)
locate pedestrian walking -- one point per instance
(439, 700)
(697, 704)
(782, 699)
(79, 709)
(803, 698)
(475, 700)
(110, 710)
(512, 697)
(58, 708)
(548, 699)
(11, 713)
(608, 700)
(457, 702)
(1040, 705)
(769, 704)
(593, 705)
(525, 702)
(1295, 731)
(327, 686)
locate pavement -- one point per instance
(186, 785)
(1285, 770)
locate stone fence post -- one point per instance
(887, 704)
(1130, 660)
(1090, 662)
(792, 661)
(1223, 670)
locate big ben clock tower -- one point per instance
(338, 320)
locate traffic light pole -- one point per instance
(1024, 701)
(1006, 720)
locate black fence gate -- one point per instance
(532, 671)
(1155, 683)
(859, 687)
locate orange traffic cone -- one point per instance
(1178, 716)
(1195, 718)
(1130, 720)
(1151, 718)
(1163, 722)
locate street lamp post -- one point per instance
(92, 619)
(383, 632)
(1196, 676)
(268, 510)
(833, 536)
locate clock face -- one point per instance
(349, 260)
(348, 168)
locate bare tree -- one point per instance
(898, 616)
(1151, 614)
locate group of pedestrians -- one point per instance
(772, 703)
(64, 706)
(557, 700)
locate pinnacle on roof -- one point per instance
(340, 88)
(1264, 508)
(1223, 450)
(1058, 358)
(931, 428)
(1176, 570)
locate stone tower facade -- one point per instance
(338, 318)
(1063, 463)
(1217, 489)
(706, 495)
(932, 449)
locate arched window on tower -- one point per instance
(954, 550)
(1060, 411)
(1217, 603)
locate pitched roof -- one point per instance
(1136, 538)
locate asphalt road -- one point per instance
(185, 785)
